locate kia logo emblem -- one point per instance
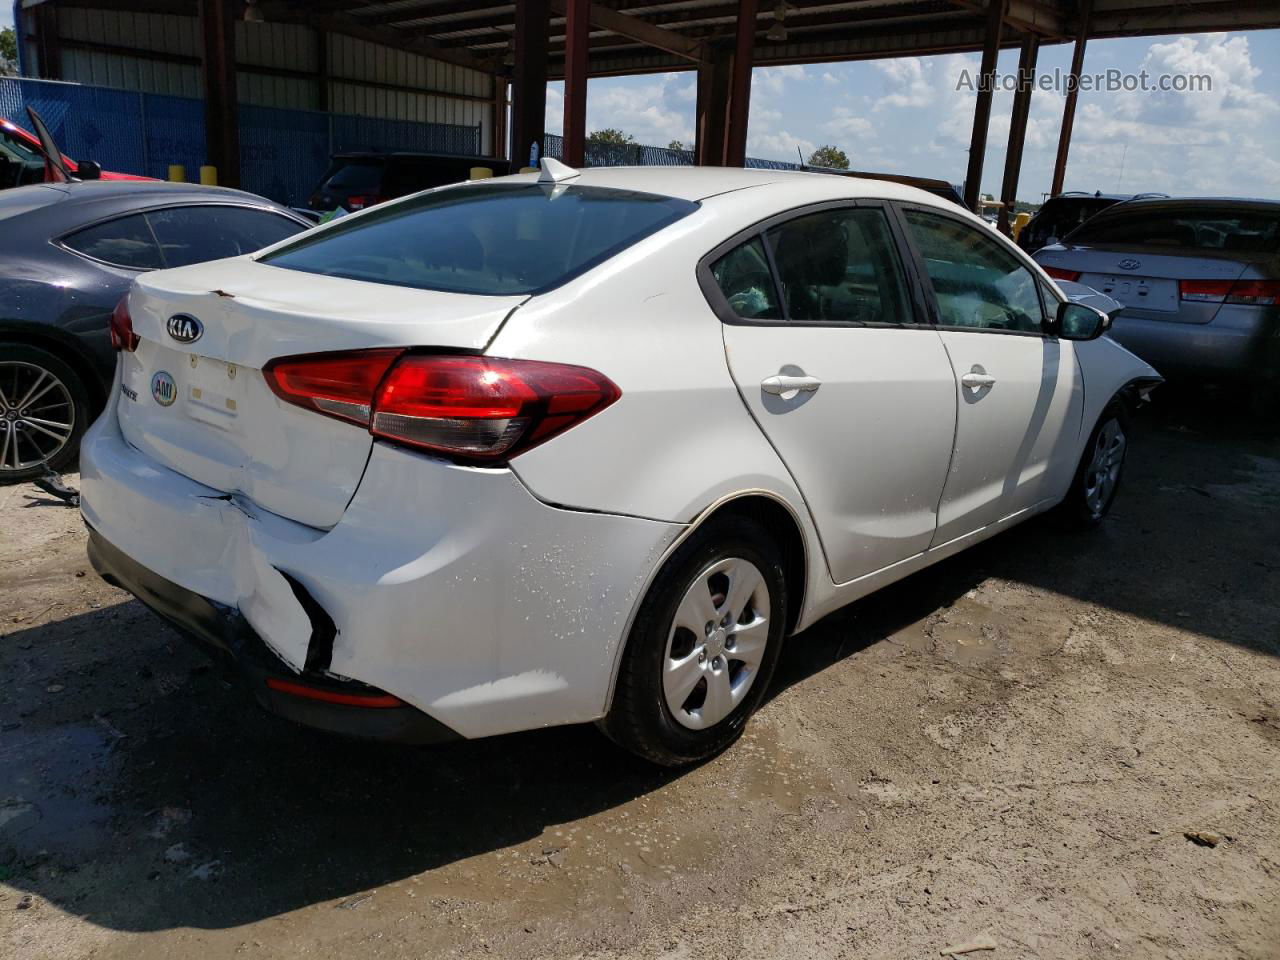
(184, 328)
(1127, 264)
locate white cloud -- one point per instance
(845, 124)
(830, 79)
(779, 146)
(910, 82)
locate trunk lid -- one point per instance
(1146, 282)
(203, 408)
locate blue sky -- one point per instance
(905, 115)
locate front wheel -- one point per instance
(1097, 479)
(703, 646)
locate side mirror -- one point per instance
(1079, 321)
(1050, 241)
(88, 170)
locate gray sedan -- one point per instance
(68, 253)
(1199, 279)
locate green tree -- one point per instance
(8, 51)
(676, 145)
(610, 137)
(828, 156)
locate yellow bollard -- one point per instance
(528, 169)
(177, 173)
(481, 173)
(1020, 221)
(209, 175)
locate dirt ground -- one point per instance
(1012, 745)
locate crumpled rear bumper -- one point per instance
(225, 634)
(452, 588)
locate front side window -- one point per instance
(744, 278)
(125, 242)
(977, 283)
(498, 239)
(210, 232)
(840, 266)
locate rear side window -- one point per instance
(195, 234)
(840, 266)
(124, 242)
(484, 239)
(743, 277)
(1198, 228)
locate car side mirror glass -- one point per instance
(1079, 321)
(88, 170)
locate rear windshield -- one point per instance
(485, 239)
(355, 175)
(1201, 228)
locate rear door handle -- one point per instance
(779, 385)
(977, 381)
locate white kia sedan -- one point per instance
(585, 446)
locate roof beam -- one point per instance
(1136, 17)
(626, 26)
(1032, 16)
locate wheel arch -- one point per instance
(773, 513)
(62, 346)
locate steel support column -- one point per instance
(498, 127)
(218, 68)
(1027, 58)
(735, 138)
(576, 31)
(529, 80)
(1069, 109)
(48, 42)
(712, 111)
(982, 109)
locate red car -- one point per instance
(22, 161)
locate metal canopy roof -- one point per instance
(630, 36)
(636, 36)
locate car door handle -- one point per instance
(778, 385)
(976, 381)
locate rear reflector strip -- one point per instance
(374, 701)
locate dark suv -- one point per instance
(1059, 215)
(358, 180)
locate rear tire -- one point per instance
(44, 410)
(1097, 478)
(703, 646)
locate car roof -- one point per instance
(1192, 203)
(91, 191)
(700, 183)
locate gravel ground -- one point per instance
(1012, 745)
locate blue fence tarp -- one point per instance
(283, 153)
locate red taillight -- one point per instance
(1258, 293)
(469, 408)
(359, 202)
(120, 327)
(1204, 291)
(338, 384)
(1059, 274)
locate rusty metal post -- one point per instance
(982, 109)
(218, 68)
(576, 29)
(529, 80)
(712, 111)
(1069, 109)
(1027, 58)
(735, 140)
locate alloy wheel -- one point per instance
(37, 416)
(1103, 472)
(717, 643)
